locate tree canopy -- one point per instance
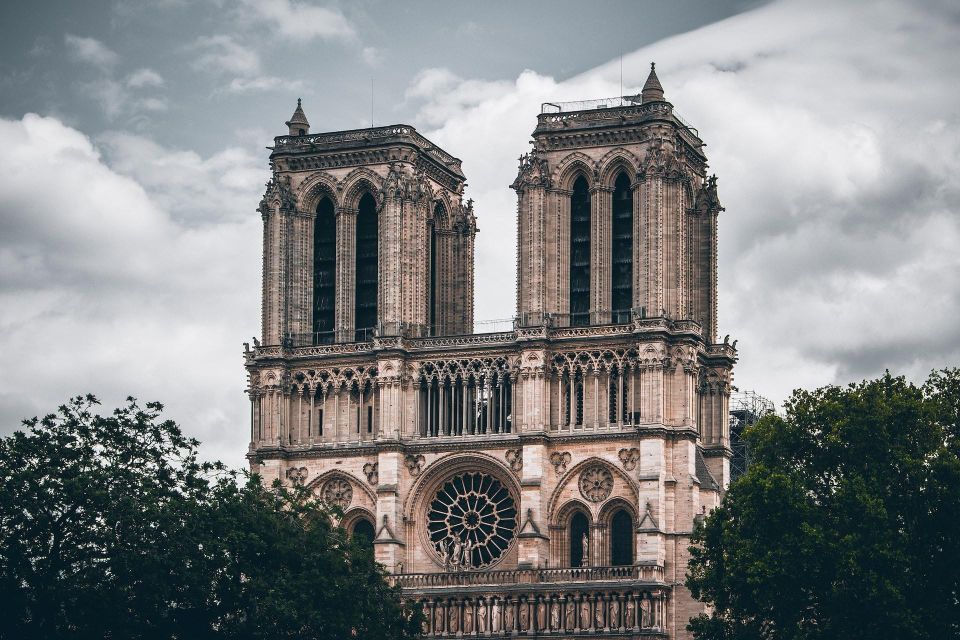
(847, 523)
(111, 526)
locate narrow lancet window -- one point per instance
(324, 266)
(621, 539)
(579, 529)
(622, 260)
(580, 253)
(365, 310)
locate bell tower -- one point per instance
(616, 216)
(365, 234)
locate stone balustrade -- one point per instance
(651, 574)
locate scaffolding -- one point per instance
(746, 409)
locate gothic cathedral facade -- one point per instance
(541, 481)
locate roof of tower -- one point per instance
(652, 89)
(298, 117)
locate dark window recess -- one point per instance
(433, 319)
(365, 312)
(369, 419)
(363, 532)
(622, 265)
(580, 253)
(578, 528)
(320, 423)
(621, 539)
(324, 266)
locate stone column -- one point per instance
(601, 253)
(346, 220)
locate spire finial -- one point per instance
(298, 123)
(652, 89)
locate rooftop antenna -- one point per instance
(621, 75)
(371, 102)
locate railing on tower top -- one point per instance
(616, 102)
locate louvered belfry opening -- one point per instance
(434, 316)
(580, 253)
(324, 276)
(365, 310)
(622, 258)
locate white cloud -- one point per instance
(223, 54)
(91, 51)
(144, 78)
(371, 56)
(839, 165)
(299, 20)
(132, 270)
(263, 83)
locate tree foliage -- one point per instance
(111, 527)
(846, 525)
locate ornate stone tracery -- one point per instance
(596, 483)
(337, 491)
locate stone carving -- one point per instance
(495, 616)
(297, 475)
(481, 616)
(570, 616)
(555, 615)
(596, 483)
(614, 612)
(585, 545)
(370, 470)
(560, 460)
(541, 615)
(584, 614)
(337, 492)
(414, 463)
(629, 458)
(467, 617)
(515, 458)
(524, 616)
(630, 611)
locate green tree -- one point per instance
(846, 525)
(111, 527)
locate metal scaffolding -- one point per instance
(746, 409)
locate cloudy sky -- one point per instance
(132, 158)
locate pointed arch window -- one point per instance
(621, 538)
(621, 280)
(324, 271)
(367, 263)
(580, 253)
(363, 532)
(579, 528)
(433, 302)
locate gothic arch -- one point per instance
(573, 165)
(358, 182)
(355, 513)
(312, 190)
(613, 504)
(617, 160)
(562, 516)
(573, 476)
(355, 483)
(444, 221)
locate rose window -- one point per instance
(596, 483)
(337, 492)
(471, 521)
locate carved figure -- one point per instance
(598, 617)
(630, 609)
(481, 616)
(438, 619)
(524, 616)
(425, 625)
(585, 560)
(456, 553)
(614, 613)
(645, 621)
(454, 625)
(495, 616)
(541, 615)
(584, 614)
(508, 617)
(555, 615)
(571, 616)
(468, 617)
(466, 561)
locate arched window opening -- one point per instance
(367, 262)
(579, 529)
(363, 532)
(580, 253)
(622, 259)
(621, 538)
(324, 271)
(433, 311)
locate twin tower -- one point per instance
(537, 482)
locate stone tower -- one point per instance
(539, 481)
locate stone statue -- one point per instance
(444, 556)
(454, 625)
(585, 615)
(508, 617)
(598, 613)
(630, 609)
(468, 617)
(524, 616)
(495, 616)
(456, 553)
(438, 619)
(614, 613)
(555, 616)
(645, 613)
(541, 615)
(481, 616)
(571, 616)
(467, 561)
(585, 541)
(425, 625)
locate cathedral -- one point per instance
(542, 481)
